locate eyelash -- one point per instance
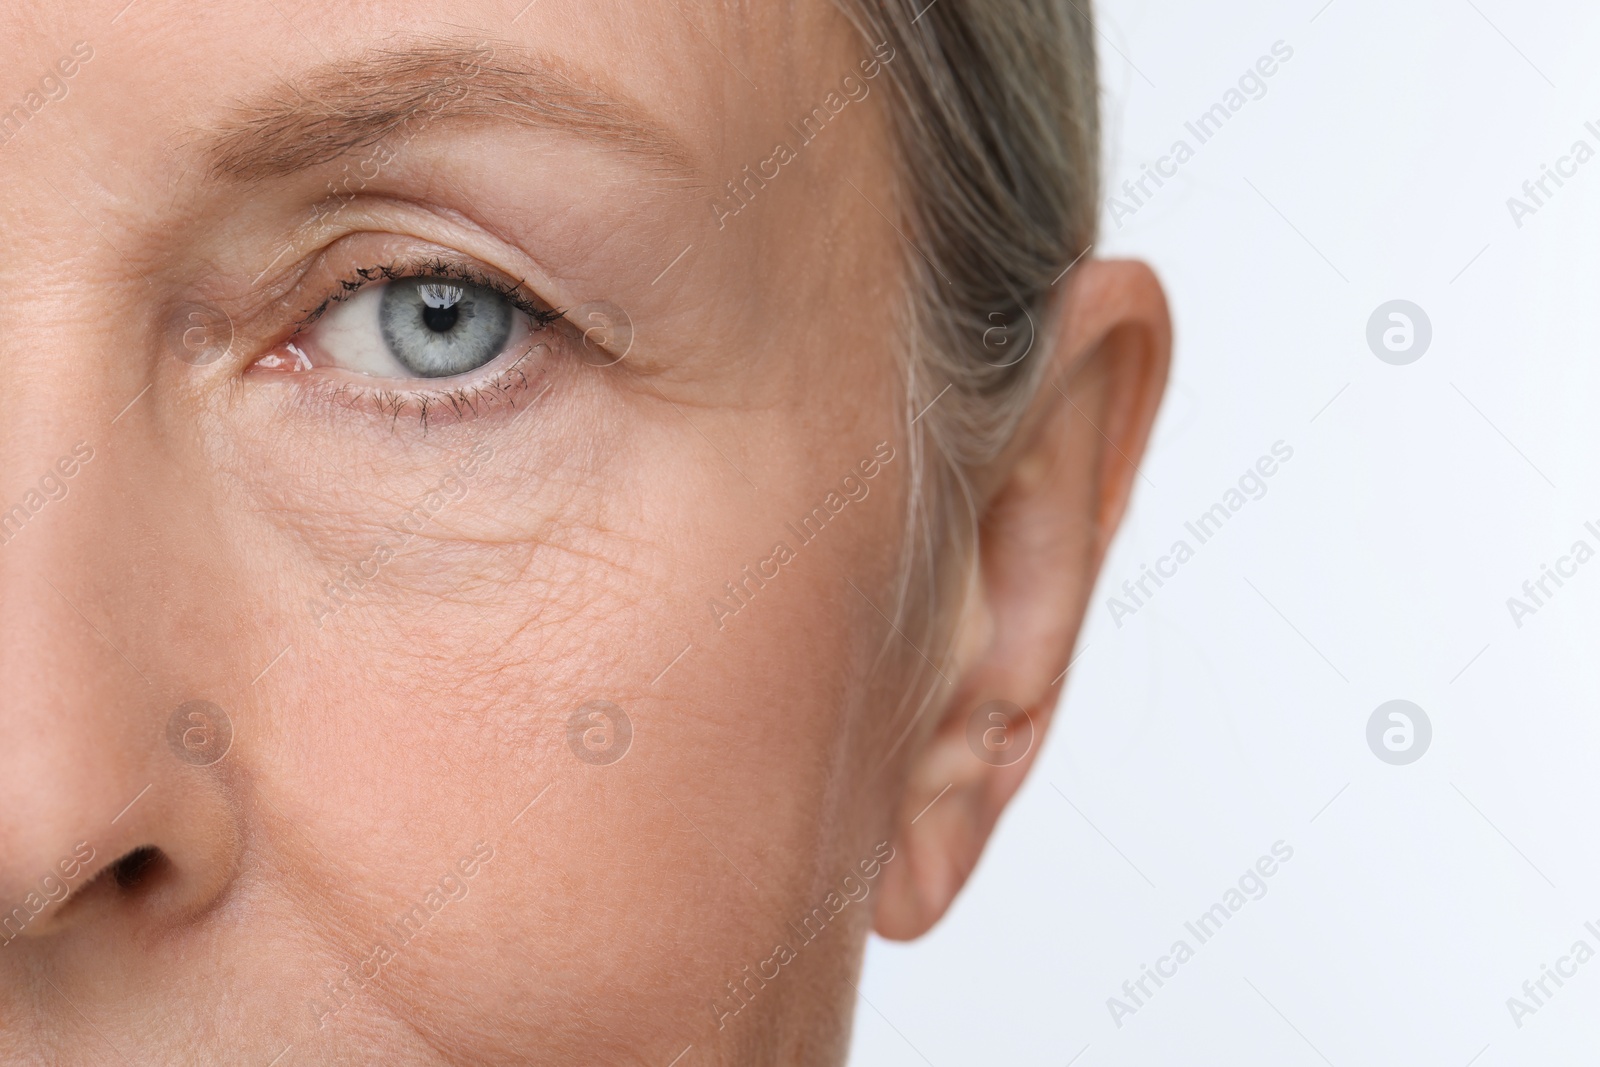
(501, 388)
(435, 268)
(463, 400)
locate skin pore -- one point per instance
(418, 843)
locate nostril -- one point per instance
(136, 875)
(138, 867)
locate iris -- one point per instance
(439, 327)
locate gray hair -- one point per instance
(996, 124)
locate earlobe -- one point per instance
(1057, 499)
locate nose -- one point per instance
(119, 768)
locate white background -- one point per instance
(1228, 713)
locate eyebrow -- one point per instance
(339, 107)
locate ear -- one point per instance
(1051, 504)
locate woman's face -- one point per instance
(396, 671)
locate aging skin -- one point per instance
(401, 829)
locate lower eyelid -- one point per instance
(524, 380)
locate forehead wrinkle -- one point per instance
(338, 107)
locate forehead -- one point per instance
(164, 72)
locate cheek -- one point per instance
(691, 779)
(538, 665)
(746, 759)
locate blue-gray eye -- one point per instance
(440, 327)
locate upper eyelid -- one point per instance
(451, 237)
(366, 277)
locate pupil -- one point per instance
(441, 320)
